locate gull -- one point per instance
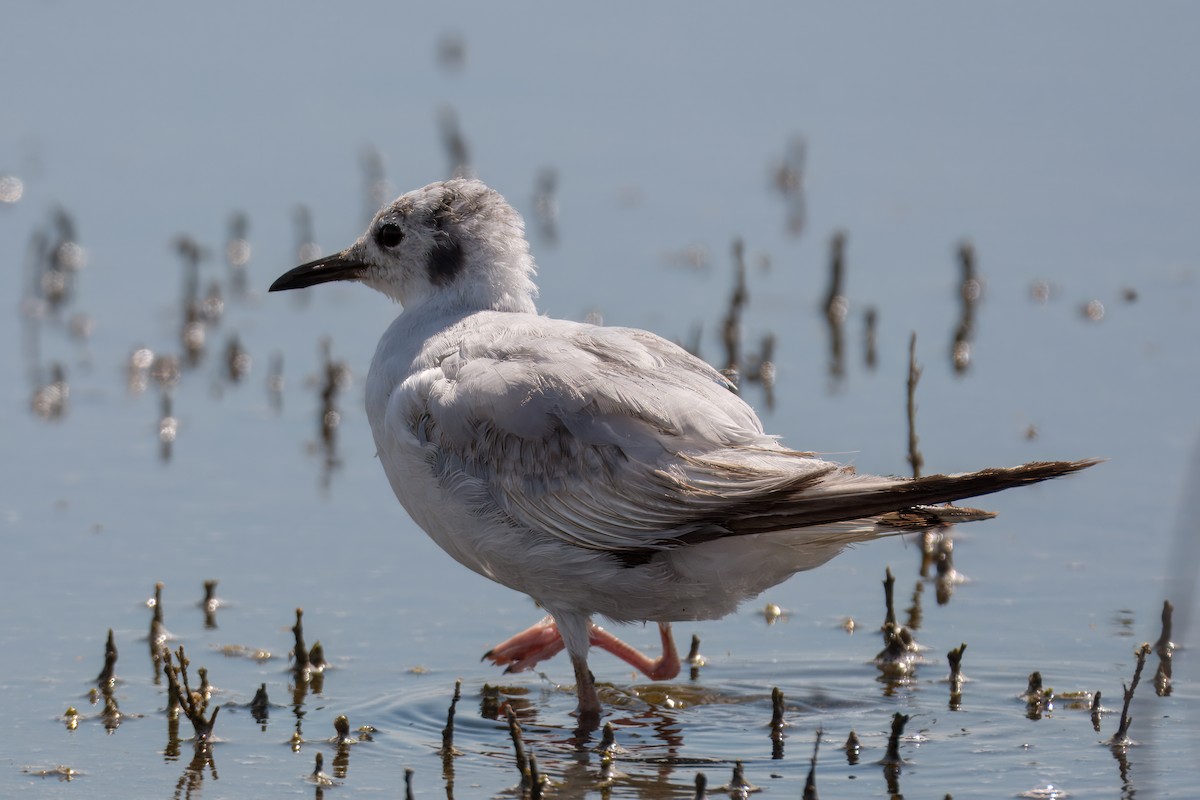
(602, 471)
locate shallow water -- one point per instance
(1057, 145)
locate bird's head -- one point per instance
(457, 243)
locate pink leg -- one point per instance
(542, 641)
(656, 669)
(588, 711)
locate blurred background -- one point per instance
(1016, 186)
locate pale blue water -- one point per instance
(1059, 140)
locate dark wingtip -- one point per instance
(1042, 470)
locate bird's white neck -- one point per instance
(496, 281)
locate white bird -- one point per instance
(601, 471)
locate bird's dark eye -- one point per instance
(388, 235)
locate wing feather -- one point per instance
(608, 438)
(617, 440)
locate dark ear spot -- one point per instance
(445, 260)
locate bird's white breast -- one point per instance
(397, 387)
(454, 509)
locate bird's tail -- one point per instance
(893, 502)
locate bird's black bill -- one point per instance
(336, 267)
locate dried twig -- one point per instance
(448, 731)
(193, 704)
(108, 674)
(915, 459)
(514, 732)
(1121, 737)
(956, 676)
(731, 326)
(1164, 648)
(777, 723)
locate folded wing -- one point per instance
(618, 440)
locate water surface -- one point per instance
(1056, 141)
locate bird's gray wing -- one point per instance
(607, 438)
(617, 440)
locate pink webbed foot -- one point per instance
(542, 641)
(523, 651)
